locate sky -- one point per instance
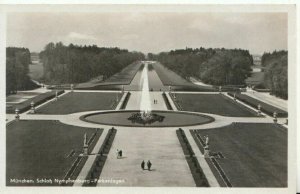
(149, 31)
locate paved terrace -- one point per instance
(161, 146)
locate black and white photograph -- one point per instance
(198, 97)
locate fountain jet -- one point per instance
(145, 101)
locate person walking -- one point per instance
(143, 165)
(149, 164)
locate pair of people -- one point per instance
(155, 101)
(149, 164)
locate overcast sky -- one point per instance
(150, 32)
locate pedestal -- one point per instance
(85, 150)
(206, 152)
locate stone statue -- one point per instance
(85, 140)
(207, 140)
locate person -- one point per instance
(149, 164)
(120, 153)
(143, 165)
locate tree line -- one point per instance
(17, 69)
(276, 75)
(75, 64)
(212, 66)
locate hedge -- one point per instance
(266, 108)
(196, 170)
(26, 105)
(169, 107)
(124, 104)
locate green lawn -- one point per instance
(124, 77)
(40, 149)
(81, 101)
(255, 153)
(169, 77)
(214, 104)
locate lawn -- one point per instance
(214, 104)
(170, 78)
(26, 105)
(81, 101)
(255, 153)
(266, 108)
(124, 77)
(42, 149)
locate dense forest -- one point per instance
(75, 64)
(276, 75)
(17, 69)
(212, 66)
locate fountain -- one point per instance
(145, 116)
(145, 105)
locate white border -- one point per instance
(293, 92)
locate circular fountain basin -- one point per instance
(171, 119)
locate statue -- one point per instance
(206, 148)
(85, 145)
(206, 140)
(32, 107)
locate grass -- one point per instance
(124, 77)
(255, 153)
(214, 104)
(39, 99)
(124, 104)
(266, 108)
(81, 101)
(196, 170)
(169, 77)
(99, 162)
(41, 149)
(166, 100)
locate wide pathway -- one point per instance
(160, 146)
(134, 102)
(269, 99)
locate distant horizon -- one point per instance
(254, 54)
(148, 32)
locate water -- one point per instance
(154, 82)
(145, 102)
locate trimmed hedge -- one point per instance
(169, 107)
(96, 169)
(196, 170)
(212, 162)
(79, 162)
(124, 104)
(266, 108)
(25, 106)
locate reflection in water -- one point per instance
(145, 102)
(154, 82)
